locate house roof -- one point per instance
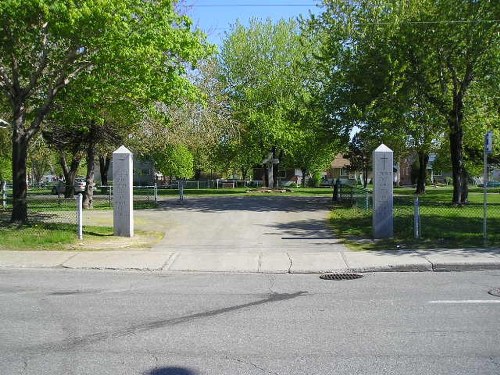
(340, 162)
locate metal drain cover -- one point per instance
(341, 276)
(495, 292)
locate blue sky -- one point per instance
(216, 16)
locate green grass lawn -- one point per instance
(49, 236)
(442, 224)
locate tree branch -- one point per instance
(42, 63)
(6, 83)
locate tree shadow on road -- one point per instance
(306, 229)
(171, 371)
(250, 203)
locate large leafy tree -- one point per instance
(174, 160)
(45, 46)
(429, 58)
(261, 69)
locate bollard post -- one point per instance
(156, 192)
(416, 218)
(3, 188)
(181, 190)
(79, 215)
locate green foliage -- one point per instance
(264, 69)
(106, 56)
(412, 73)
(174, 160)
(5, 155)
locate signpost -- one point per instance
(488, 149)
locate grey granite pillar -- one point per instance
(123, 202)
(383, 222)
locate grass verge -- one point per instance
(443, 225)
(61, 236)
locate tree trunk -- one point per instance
(365, 176)
(244, 173)
(266, 176)
(20, 143)
(88, 195)
(460, 188)
(304, 173)
(69, 173)
(423, 160)
(104, 163)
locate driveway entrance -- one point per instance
(242, 224)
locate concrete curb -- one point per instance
(256, 262)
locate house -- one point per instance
(144, 172)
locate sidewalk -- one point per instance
(258, 262)
(252, 234)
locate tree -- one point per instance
(39, 159)
(437, 52)
(174, 160)
(260, 68)
(47, 45)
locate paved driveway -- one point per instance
(265, 224)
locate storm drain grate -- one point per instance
(495, 292)
(341, 276)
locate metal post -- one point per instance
(181, 190)
(416, 218)
(156, 192)
(4, 193)
(110, 189)
(488, 149)
(79, 215)
(485, 197)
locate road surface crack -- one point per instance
(252, 364)
(291, 263)
(74, 342)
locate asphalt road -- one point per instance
(100, 322)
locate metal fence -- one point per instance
(47, 211)
(427, 219)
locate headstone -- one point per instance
(383, 224)
(123, 202)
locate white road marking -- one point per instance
(465, 301)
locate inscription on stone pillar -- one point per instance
(383, 222)
(123, 202)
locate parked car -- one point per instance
(490, 184)
(60, 186)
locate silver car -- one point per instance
(60, 187)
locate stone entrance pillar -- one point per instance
(383, 222)
(123, 200)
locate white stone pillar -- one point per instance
(383, 223)
(123, 201)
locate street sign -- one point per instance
(488, 142)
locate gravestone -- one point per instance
(123, 202)
(383, 224)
